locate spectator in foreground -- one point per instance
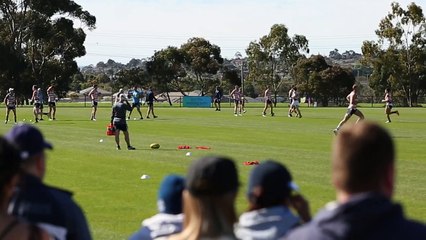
(169, 220)
(209, 200)
(271, 195)
(10, 227)
(50, 208)
(363, 164)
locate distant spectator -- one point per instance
(10, 227)
(363, 165)
(209, 200)
(169, 220)
(50, 208)
(269, 194)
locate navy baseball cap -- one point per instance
(28, 140)
(274, 179)
(211, 176)
(170, 194)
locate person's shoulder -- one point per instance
(60, 191)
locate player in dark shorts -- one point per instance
(150, 101)
(94, 96)
(268, 102)
(217, 98)
(352, 109)
(389, 105)
(10, 102)
(35, 99)
(51, 102)
(118, 119)
(136, 97)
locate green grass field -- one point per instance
(107, 183)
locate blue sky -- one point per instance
(129, 29)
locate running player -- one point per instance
(10, 102)
(51, 102)
(389, 105)
(94, 96)
(35, 99)
(294, 106)
(352, 99)
(236, 95)
(268, 102)
(136, 97)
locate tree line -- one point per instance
(39, 45)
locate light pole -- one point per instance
(241, 63)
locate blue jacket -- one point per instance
(50, 208)
(366, 216)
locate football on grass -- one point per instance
(154, 146)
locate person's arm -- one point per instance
(301, 205)
(5, 99)
(112, 115)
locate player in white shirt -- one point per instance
(10, 102)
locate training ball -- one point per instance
(101, 140)
(154, 146)
(134, 118)
(188, 154)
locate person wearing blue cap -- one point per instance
(51, 208)
(169, 219)
(10, 226)
(270, 199)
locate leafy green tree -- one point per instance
(202, 60)
(42, 34)
(398, 56)
(167, 71)
(272, 58)
(323, 82)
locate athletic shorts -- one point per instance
(351, 111)
(150, 104)
(390, 106)
(37, 105)
(295, 103)
(121, 126)
(11, 107)
(237, 101)
(137, 105)
(51, 104)
(268, 101)
(216, 100)
(94, 104)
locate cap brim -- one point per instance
(293, 186)
(48, 145)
